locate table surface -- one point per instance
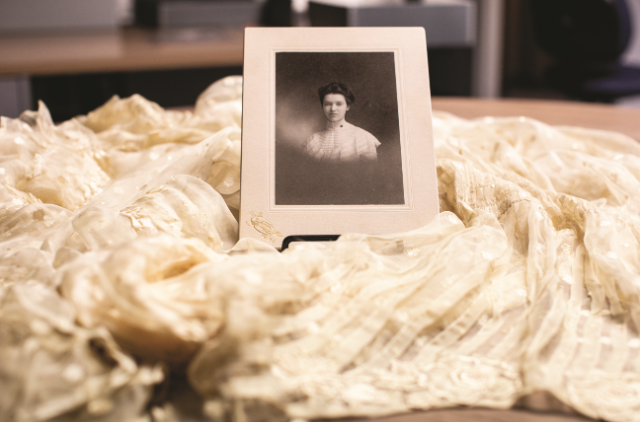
(477, 415)
(188, 404)
(129, 49)
(625, 120)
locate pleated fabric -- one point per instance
(120, 261)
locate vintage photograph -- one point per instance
(337, 134)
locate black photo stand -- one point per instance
(309, 238)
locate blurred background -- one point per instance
(76, 54)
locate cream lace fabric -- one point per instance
(119, 255)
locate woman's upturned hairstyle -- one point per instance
(336, 88)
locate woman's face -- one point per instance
(335, 107)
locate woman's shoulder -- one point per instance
(363, 133)
(359, 130)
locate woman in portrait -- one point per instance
(342, 157)
(340, 141)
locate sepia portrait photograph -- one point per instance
(337, 134)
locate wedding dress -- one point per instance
(119, 257)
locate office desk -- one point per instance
(47, 53)
(596, 116)
(43, 54)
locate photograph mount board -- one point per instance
(336, 132)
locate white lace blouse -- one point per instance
(343, 143)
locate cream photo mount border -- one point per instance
(260, 217)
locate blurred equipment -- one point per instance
(277, 13)
(450, 26)
(57, 14)
(447, 23)
(587, 38)
(184, 13)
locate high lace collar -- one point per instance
(344, 125)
